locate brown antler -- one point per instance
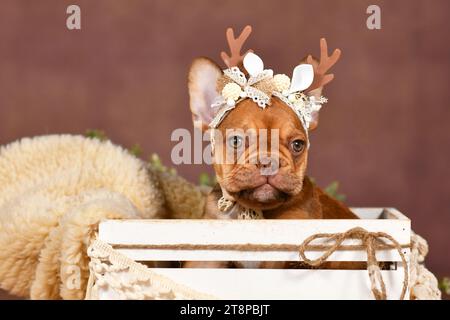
(321, 67)
(235, 45)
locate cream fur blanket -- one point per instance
(53, 192)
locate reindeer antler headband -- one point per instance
(261, 84)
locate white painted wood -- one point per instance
(368, 213)
(244, 284)
(379, 213)
(261, 283)
(141, 232)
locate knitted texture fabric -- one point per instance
(424, 284)
(183, 200)
(54, 190)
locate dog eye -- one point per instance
(235, 142)
(297, 145)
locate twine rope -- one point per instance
(370, 241)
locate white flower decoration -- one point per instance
(231, 93)
(281, 82)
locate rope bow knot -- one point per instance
(371, 241)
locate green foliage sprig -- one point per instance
(444, 285)
(156, 163)
(96, 134)
(332, 190)
(136, 150)
(206, 180)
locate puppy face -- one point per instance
(265, 173)
(257, 177)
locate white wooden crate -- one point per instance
(130, 238)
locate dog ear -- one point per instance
(202, 83)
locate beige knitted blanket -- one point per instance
(53, 192)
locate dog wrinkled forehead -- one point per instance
(246, 78)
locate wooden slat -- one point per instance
(175, 232)
(280, 284)
(378, 213)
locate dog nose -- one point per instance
(268, 165)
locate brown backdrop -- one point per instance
(384, 135)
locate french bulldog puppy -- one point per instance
(286, 193)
